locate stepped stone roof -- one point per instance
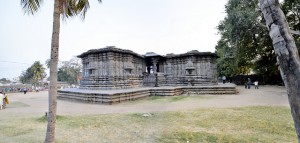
(148, 54)
(191, 53)
(151, 54)
(109, 49)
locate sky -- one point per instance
(160, 26)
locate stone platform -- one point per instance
(121, 95)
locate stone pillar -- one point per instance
(110, 64)
(154, 61)
(110, 72)
(214, 71)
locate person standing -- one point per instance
(1, 100)
(5, 101)
(224, 79)
(24, 90)
(249, 83)
(256, 84)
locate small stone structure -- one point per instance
(112, 75)
(192, 68)
(111, 68)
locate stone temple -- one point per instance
(114, 68)
(112, 75)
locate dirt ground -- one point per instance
(37, 103)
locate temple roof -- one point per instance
(151, 54)
(108, 49)
(191, 53)
(148, 54)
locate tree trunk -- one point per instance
(50, 135)
(287, 55)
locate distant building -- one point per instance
(114, 68)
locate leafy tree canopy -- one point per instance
(34, 74)
(4, 80)
(245, 46)
(68, 71)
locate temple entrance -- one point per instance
(152, 69)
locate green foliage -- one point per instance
(44, 119)
(249, 124)
(291, 8)
(31, 6)
(34, 74)
(4, 80)
(69, 8)
(170, 99)
(245, 45)
(69, 71)
(226, 62)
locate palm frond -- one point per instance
(31, 6)
(65, 7)
(71, 8)
(82, 7)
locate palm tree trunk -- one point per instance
(50, 135)
(287, 55)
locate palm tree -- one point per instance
(38, 72)
(64, 8)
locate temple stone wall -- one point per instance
(114, 68)
(111, 68)
(192, 68)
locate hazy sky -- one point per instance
(161, 26)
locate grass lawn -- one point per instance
(245, 124)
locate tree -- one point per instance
(5, 80)
(34, 74)
(38, 72)
(244, 45)
(25, 77)
(64, 8)
(287, 55)
(237, 42)
(226, 62)
(69, 71)
(291, 8)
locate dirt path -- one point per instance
(37, 103)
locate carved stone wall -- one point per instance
(114, 68)
(192, 68)
(111, 68)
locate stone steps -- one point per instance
(103, 98)
(117, 96)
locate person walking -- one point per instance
(224, 79)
